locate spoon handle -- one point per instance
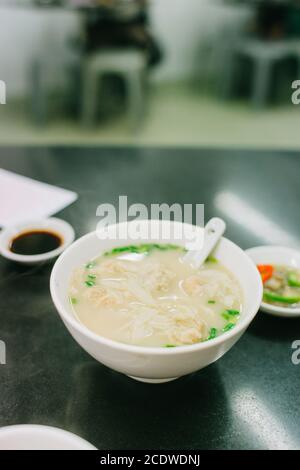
(213, 231)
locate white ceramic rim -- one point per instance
(287, 312)
(82, 329)
(59, 226)
(61, 433)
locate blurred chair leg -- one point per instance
(38, 94)
(262, 82)
(135, 89)
(298, 66)
(228, 73)
(89, 96)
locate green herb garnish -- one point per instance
(89, 283)
(273, 297)
(228, 327)
(170, 346)
(90, 265)
(144, 248)
(73, 300)
(228, 314)
(233, 312)
(293, 280)
(92, 276)
(212, 333)
(211, 302)
(211, 259)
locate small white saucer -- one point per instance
(282, 256)
(59, 226)
(36, 437)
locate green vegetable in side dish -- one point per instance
(273, 297)
(282, 285)
(293, 280)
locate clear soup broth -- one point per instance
(147, 296)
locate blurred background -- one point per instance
(159, 72)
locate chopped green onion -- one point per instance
(167, 246)
(211, 259)
(233, 312)
(211, 302)
(228, 327)
(226, 316)
(293, 280)
(90, 265)
(272, 297)
(92, 276)
(170, 346)
(89, 283)
(212, 333)
(73, 300)
(230, 313)
(143, 248)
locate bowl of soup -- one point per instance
(137, 307)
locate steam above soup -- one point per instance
(146, 295)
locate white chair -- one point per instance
(264, 55)
(130, 64)
(41, 88)
(295, 47)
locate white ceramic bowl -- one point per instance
(59, 226)
(36, 437)
(276, 255)
(153, 364)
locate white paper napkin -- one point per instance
(23, 199)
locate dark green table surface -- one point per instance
(248, 399)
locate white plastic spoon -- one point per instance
(213, 231)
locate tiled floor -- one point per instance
(177, 115)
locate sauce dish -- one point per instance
(60, 229)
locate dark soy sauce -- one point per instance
(35, 242)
